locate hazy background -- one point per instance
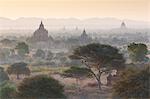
(122, 9)
(24, 16)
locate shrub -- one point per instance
(39, 87)
(3, 75)
(7, 90)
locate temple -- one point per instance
(84, 38)
(123, 25)
(41, 34)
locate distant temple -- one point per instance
(41, 34)
(123, 25)
(84, 38)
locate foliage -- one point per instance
(100, 57)
(50, 70)
(3, 75)
(137, 52)
(18, 68)
(77, 72)
(133, 83)
(22, 48)
(50, 55)
(40, 87)
(40, 53)
(7, 90)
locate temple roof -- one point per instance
(123, 25)
(41, 25)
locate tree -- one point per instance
(77, 73)
(99, 58)
(49, 55)
(18, 68)
(40, 53)
(22, 48)
(7, 90)
(63, 60)
(40, 87)
(132, 83)
(137, 52)
(3, 75)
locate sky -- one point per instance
(121, 9)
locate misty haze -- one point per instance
(83, 49)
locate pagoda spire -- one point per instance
(41, 25)
(123, 25)
(84, 32)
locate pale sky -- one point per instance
(122, 9)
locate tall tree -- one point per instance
(22, 48)
(137, 52)
(99, 58)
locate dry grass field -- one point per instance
(85, 89)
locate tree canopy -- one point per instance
(99, 56)
(132, 83)
(77, 72)
(40, 87)
(137, 52)
(22, 48)
(18, 68)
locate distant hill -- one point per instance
(53, 23)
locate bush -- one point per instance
(7, 90)
(3, 75)
(132, 83)
(40, 87)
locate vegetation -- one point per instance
(18, 68)
(22, 48)
(77, 73)
(40, 53)
(40, 87)
(99, 58)
(7, 90)
(3, 75)
(50, 56)
(133, 83)
(51, 70)
(138, 52)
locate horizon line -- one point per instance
(79, 18)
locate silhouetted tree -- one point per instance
(18, 68)
(99, 58)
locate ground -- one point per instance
(85, 89)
